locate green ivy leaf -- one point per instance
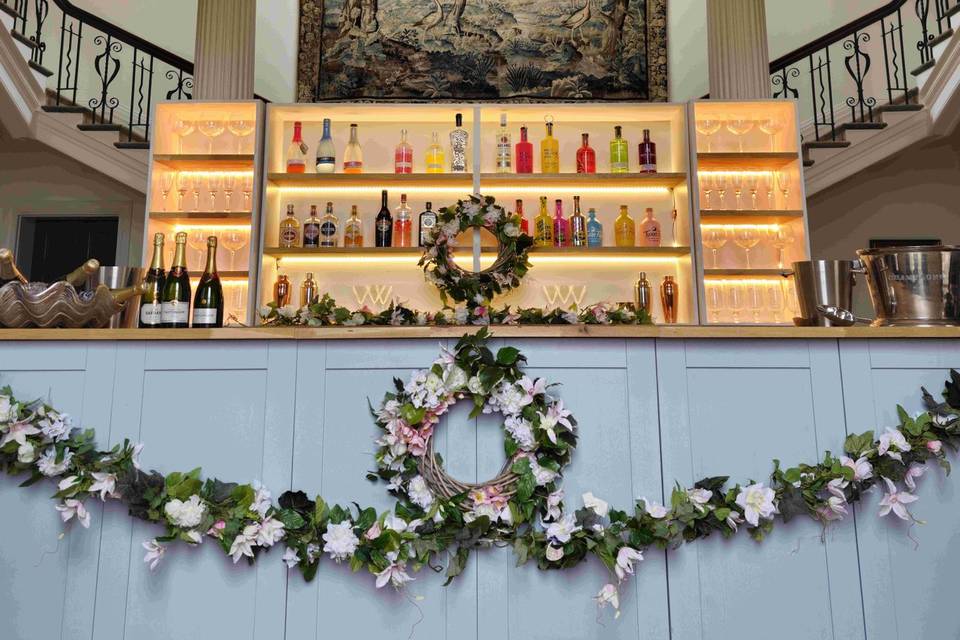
(507, 355)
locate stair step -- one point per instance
(926, 66)
(861, 126)
(52, 108)
(807, 162)
(900, 107)
(99, 127)
(8, 10)
(826, 144)
(943, 37)
(132, 145)
(40, 69)
(23, 39)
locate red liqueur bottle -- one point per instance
(648, 154)
(586, 156)
(524, 153)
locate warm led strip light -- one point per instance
(464, 190)
(186, 228)
(547, 187)
(236, 174)
(736, 173)
(369, 259)
(759, 227)
(403, 188)
(744, 282)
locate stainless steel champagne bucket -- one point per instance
(823, 282)
(118, 278)
(914, 286)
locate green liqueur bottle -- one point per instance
(150, 305)
(208, 302)
(175, 302)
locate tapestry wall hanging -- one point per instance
(482, 50)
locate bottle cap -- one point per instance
(429, 204)
(309, 276)
(643, 275)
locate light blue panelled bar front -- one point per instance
(651, 412)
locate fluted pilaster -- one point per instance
(225, 57)
(738, 53)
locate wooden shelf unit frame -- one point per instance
(231, 155)
(565, 277)
(763, 155)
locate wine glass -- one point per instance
(183, 128)
(197, 240)
(790, 297)
(229, 185)
(746, 238)
(775, 301)
(714, 301)
(196, 184)
(780, 238)
(753, 184)
(184, 184)
(233, 240)
(707, 128)
(735, 301)
(214, 182)
(211, 127)
(247, 186)
(720, 182)
(167, 178)
(737, 180)
(706, 186)
(755, 298)
(714, 238)
(771, 127)
(241, 128)
(740, 127)
(783, 183)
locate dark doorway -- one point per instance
(50, 247)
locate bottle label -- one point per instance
(383, 225)
(651, 236)
(352, 238)
(326, 164)
(204, 317)
(503, 154)
(311, 234)
(288, 236)
(175, 312)
(595, 236)
(328, 234)
(353, 165)
(150, 314)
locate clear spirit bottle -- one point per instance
(326, 152)
(504, 147)
(402, 224)
(353, 154)
(435, 154)
(403, 155)
(458, 146)
(329, 227)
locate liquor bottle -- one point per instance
(326, 152)
(8, 269)
(403, 155)
(648, 154)
(642, 294)
(383, 226)
(594, 230)
(281, 291)
(649, 230)
(578, 225)
(524, 153)
(504, 148)
(524, 225)
(543, 226)
(78, 276)
(353, 154)
(586, 156)
(428, 220)
(561, 230)
(434, 154)
(329, 226)
(311, 229)
(619, 152)
(353, 230)
(549, 151)
(669, 299)
(458, 147)
(297, 151)
(624, 229)
(208, 301)
(402, 224)
(150, 301)
(175, 301)
(290, 229)
(309, 292)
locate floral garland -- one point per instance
(36, 439)
(475, 288)
(325, 312)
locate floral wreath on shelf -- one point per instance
(436, 515)
(478, 212)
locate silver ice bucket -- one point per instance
(119, 278)
(823, 283)
(914, 286)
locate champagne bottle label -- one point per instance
(151, 314)
(175, 312)
(204, 317)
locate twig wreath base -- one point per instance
(435, 516)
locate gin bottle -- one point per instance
(543, 226)
(594, 230)
(428, 220)
(329, 226)
(619, 152)
(435, 154)
(458, 147)
(524, 153)
(504, 148)
(403, 155)
(549, 151)
(326, 152)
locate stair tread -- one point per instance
(900, 107)
(826, 144)
(99, 127)
(52, 108)
(924, 67)
(940, 38)
(863, 126)
(24, 39)
(39, 68)
(8, 10)
(808, 163)
(952, 11)
(132, 145)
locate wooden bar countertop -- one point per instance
(502, 331)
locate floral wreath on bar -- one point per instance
(503, 275)
(434, 516)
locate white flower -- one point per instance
(265, 311)
(756, 502)
(531, 388)
(608, 595)
(154, 554)
(554, 501)
(106, 484)
(394, 574)
(135, 456)
(18, 432)
(271, 532)
(542, 475)
(521, 431)
(67, 483)
(895, 501)
(290, 558)
(553, 553)
(8, 410)
(261, 499)
(914, 471)
(340, 541)
(699, 498)
(244, 542)
(893, 437)
(419, 492)
(356, 319)
(454, 378)
(288, 311)
(70, 508)
(461, 315)
(561, 530)
(374, 531)
(400, 525)
(186, 515)
(26, 453)
(570, 317)
(625, 559)
(194, 537)
(734, 519)
(655, 509)
(474, 385)
(598, 506)
(56, 427)
(862, 469)
(511, 230)
(510, 398)
(48, 465)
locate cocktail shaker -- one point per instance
(669, 299)
(642, 294)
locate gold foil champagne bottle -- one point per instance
(208, 302)
(150, 301)
(175, 302)
(79, 276)
(8, 269)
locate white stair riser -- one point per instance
(893, 118)
(67, 118)
(857, 136)
(106, 137)
(821, 154)
(922, 78)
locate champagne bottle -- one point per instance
(150, 302)
(120, 296)
(8, 268)
(208, 302)
(175, 302)
(79, 276)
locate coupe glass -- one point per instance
(714, 238)
(746, 238)
(775, 301)
(241, 128)
(184, 184)
(755, 298)
(707, 128)
(247, 187)
(167, 179)
(753, 184)
(737, 180)
(211, 127)
(183, 128)
(783, 183)
(197, 240)
(740, 127)
(233, 240)
(229, 186)
(780, 239)
(714, 301)
(771, 127)
(735, 301)
(214, 184)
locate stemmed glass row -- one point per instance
(739, 127)
(205, 185)
(231, 239)
(747, 237)
(715, 186)
(763, 300)
(212, 126)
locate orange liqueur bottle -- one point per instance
(624, 228)
(353, 230)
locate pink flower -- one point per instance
(895, 501)
(914, 471)
(373, 532)
(480, 311)
(934, 446)
(216, 531)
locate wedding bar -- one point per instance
(595, 319)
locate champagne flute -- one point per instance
(783, 183)
(196, 184)
(753, 184)
(229, 185)
(233, 240)
(780, 238)
(714, 301)
(707, 128)
(211, 127)
(714, 238)
(183, 128)
(197, 240)
(771, 127)
(755, 297)
(706, 185)
(247, 187)
(184, 184)
(167, 178)
(746, 238)
(775, 301)
(740, 127)
(241, 128)
(735, 301)
(720, 182)
(214, 183)
(737, 180)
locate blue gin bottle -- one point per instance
(594, 230)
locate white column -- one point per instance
(738, 54)
(224, 60)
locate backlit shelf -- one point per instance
(224, 275)
(553, 252)
(607, 181)
(722, 216)
(371, 180)
(205, 161)
(747, 273)
(746, 161)
(199, 216)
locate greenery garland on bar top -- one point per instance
(527, 511)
